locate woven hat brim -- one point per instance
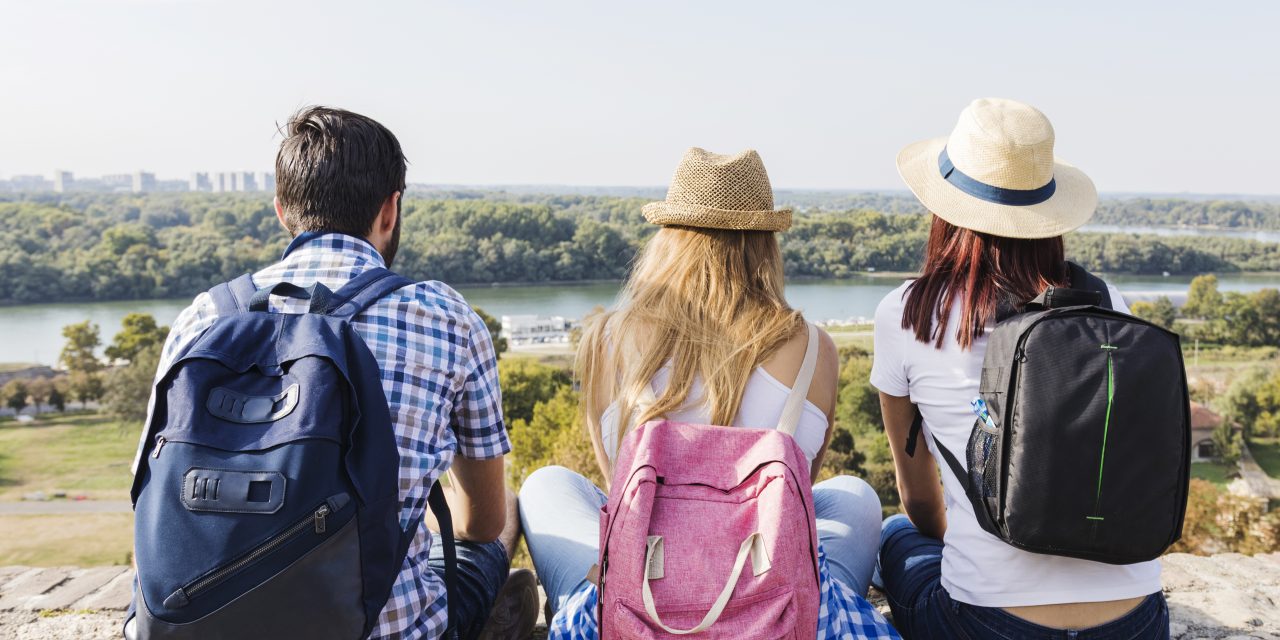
(1073, 202)
(692, 215)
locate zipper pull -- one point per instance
(321, 514)
(160, 440)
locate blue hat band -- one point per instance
(992, 193)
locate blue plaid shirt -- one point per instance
(440, 375)
(842, 614)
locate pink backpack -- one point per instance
(710, 531)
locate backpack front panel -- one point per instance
(672, 491)
(1096, 438)
(245, 487)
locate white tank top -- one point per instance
(763, 401)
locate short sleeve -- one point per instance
(888, 367)
(477, 407)
(1118, 302)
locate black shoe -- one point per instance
(515, 610)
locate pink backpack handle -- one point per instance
(753, 546)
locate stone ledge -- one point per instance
(1221, 597)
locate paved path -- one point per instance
(1227, 596)
(49, 507)
(1253, 480)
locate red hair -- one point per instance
(979, 271)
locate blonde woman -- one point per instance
(703, 322)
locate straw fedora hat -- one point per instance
(996, 174)
(714, 191)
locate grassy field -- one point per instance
(1211, 471)
(82, 454)
(1266, 451)
(73, 539)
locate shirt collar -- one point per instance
(309, 242)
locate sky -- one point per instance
(1155, 97)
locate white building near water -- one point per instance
(531, 329)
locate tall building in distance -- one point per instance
(245, 181)
(118, 182)
(63, 181)
(144, 182)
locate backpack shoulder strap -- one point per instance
(364, 290)
(230, 298)
(1081, 279)
(789, 421)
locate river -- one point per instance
(33, 333)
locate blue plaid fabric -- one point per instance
(440, 375)
(842, 614)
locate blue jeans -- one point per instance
(560, 512)
(482, 570)
(910, 574)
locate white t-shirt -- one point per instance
(977, 567)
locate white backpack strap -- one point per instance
(789, 421)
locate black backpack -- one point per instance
(1087, 452)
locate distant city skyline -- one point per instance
(1145, 96)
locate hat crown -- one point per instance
(736, 182)
(1003, 143)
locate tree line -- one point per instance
(62, 247)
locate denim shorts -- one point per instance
(482, 570)
(910, 574)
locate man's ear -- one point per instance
(280, 215)
(388, 215)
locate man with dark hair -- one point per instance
(339, 181)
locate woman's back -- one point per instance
(763, 398)
(977, 567)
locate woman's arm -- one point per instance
(918, 484)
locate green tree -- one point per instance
(83, 338)
(1161, 312)
(495, 332)
(128, 388)
(58, 396)
(553, 436)
(138, 331)
(1226, 441)
(525, 383)
(1203, 299)
(39, 389)
(1251, 320)
(15, 395)
(85, 386)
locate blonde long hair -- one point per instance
(709, 302)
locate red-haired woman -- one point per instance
(1001, 204)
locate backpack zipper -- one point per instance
(1106, 428)
(315, 521)
(160, 440)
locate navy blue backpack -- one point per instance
(267, 501)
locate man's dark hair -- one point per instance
(334, 171)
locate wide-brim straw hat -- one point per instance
(714, 191)
(996, 174)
